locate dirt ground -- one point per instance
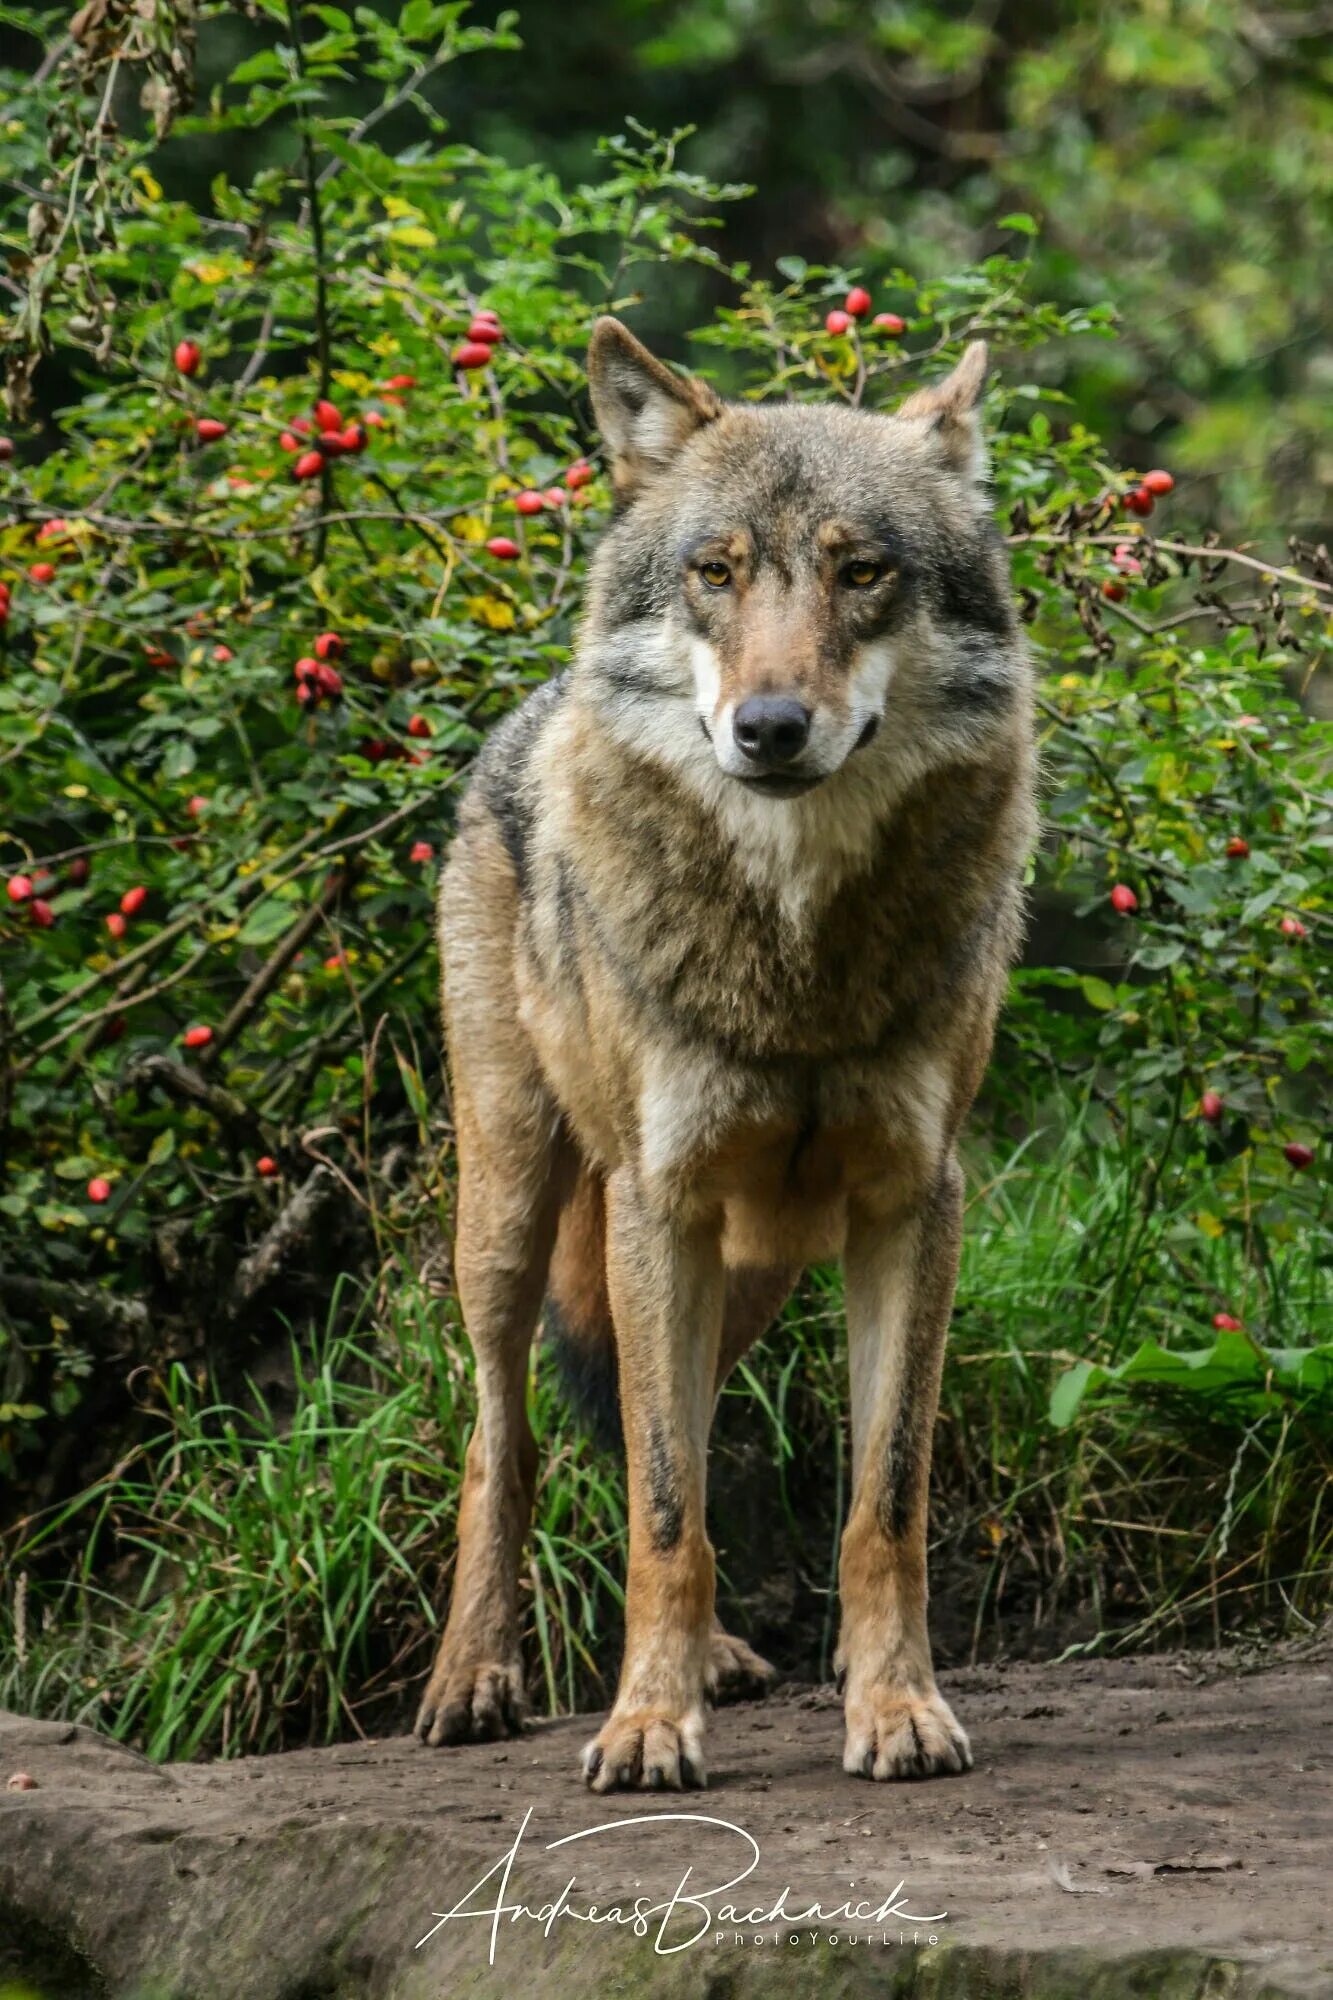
(1152, 1827)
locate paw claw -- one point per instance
(891, 1734)
(645, 1752)
(479, 1703)
(735, 1671)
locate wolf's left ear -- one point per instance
(644, 410)
(950, 410)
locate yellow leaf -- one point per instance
(396, 208)
(492, 611)
(207, 272)
(1209, 1225)
(76, 791)
(416, 236)
(151, 187)
(470, 528)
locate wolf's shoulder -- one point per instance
(502, 783)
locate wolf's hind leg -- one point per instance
(900, 1282)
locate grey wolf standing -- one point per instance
(724, 934)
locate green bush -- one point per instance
(216, 943)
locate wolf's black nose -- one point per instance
(771, 728)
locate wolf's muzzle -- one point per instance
(771, 729)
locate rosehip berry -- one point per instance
(6, 449)
(401, 382)
(376, 418)
(1227, 1323)
(133, 901)
(158, 656)
(1237, 849)
(309, 465)
(1113, 589)
(857, 302)
(307, 693)
(1211, 1107)
(41, 913)
(487, 330)
(1124, 899)
(1139, 500)
(19, 888)
(334, 964)
(197, 805)
(289, 441)
(353, 438)
(422, 851)
(328, 416)
(187, 357)
(580, 474)
(116, 924)
(79, 870)
(889, 323)
(41, 572)
(209, 429)
(98, 1189)
(554, 496)
(419, 727)
(472, 354)
(528, 502)
(197, 1038)
(265, 1167)
(1158, 482)
(1292, 927)
(1298, 1156)
(502, 548)
(52, 530)
(329, 646)
(328, 680)
(837, 321)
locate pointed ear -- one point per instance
(950, 410)
(644, 410)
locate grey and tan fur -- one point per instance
(724, 931)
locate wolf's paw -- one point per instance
(474, 1703)
(735, 1671)
(642, 1751)
(891, 1734)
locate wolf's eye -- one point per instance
(715, 574)
(860, 575)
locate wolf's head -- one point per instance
(785, 586)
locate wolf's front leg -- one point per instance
(900, 1279)
(666, 1285)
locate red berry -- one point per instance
(334, 964)
(502, 548)
(857, 302)
(487, 330)
(98, 1189)
(1237, 849)
(422, 851)
(306, 693)
(1126, 561)
(209, 429)
(133, 901)
(197, 805)
(41, 572)
(309, 465)
(401, 382)
(376, 418)
(52, 530)
(1293, 927)
(353, 438)
(329, 646)
(116, 924)
(41, 913)
(837, 322)
(301, 425)
(1298, 1156)
(328, 680)
(889, 323)
(1227, 1323)
(158, 656)
(554, 496)
(79, 870)
(1113, 589)
(197, 1038)
(528, 502)
(1139, 500)
(1211, 1107)
(1157, 482)
(328, 416)
(19, 888)
(419, 727)
(472, 354)
(579, 474)
(6, 449)
(289, 441)
(1124, 899)
(486, 312)
(265, 1167)
(187, 357)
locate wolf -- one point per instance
(724, 932)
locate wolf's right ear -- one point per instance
(644, 410)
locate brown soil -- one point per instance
(1151, 1827)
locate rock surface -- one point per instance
(1155, 1827)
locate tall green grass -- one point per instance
(270, 1569)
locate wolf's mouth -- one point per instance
(779, 784)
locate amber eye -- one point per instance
(860, 575)
(715, 574)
